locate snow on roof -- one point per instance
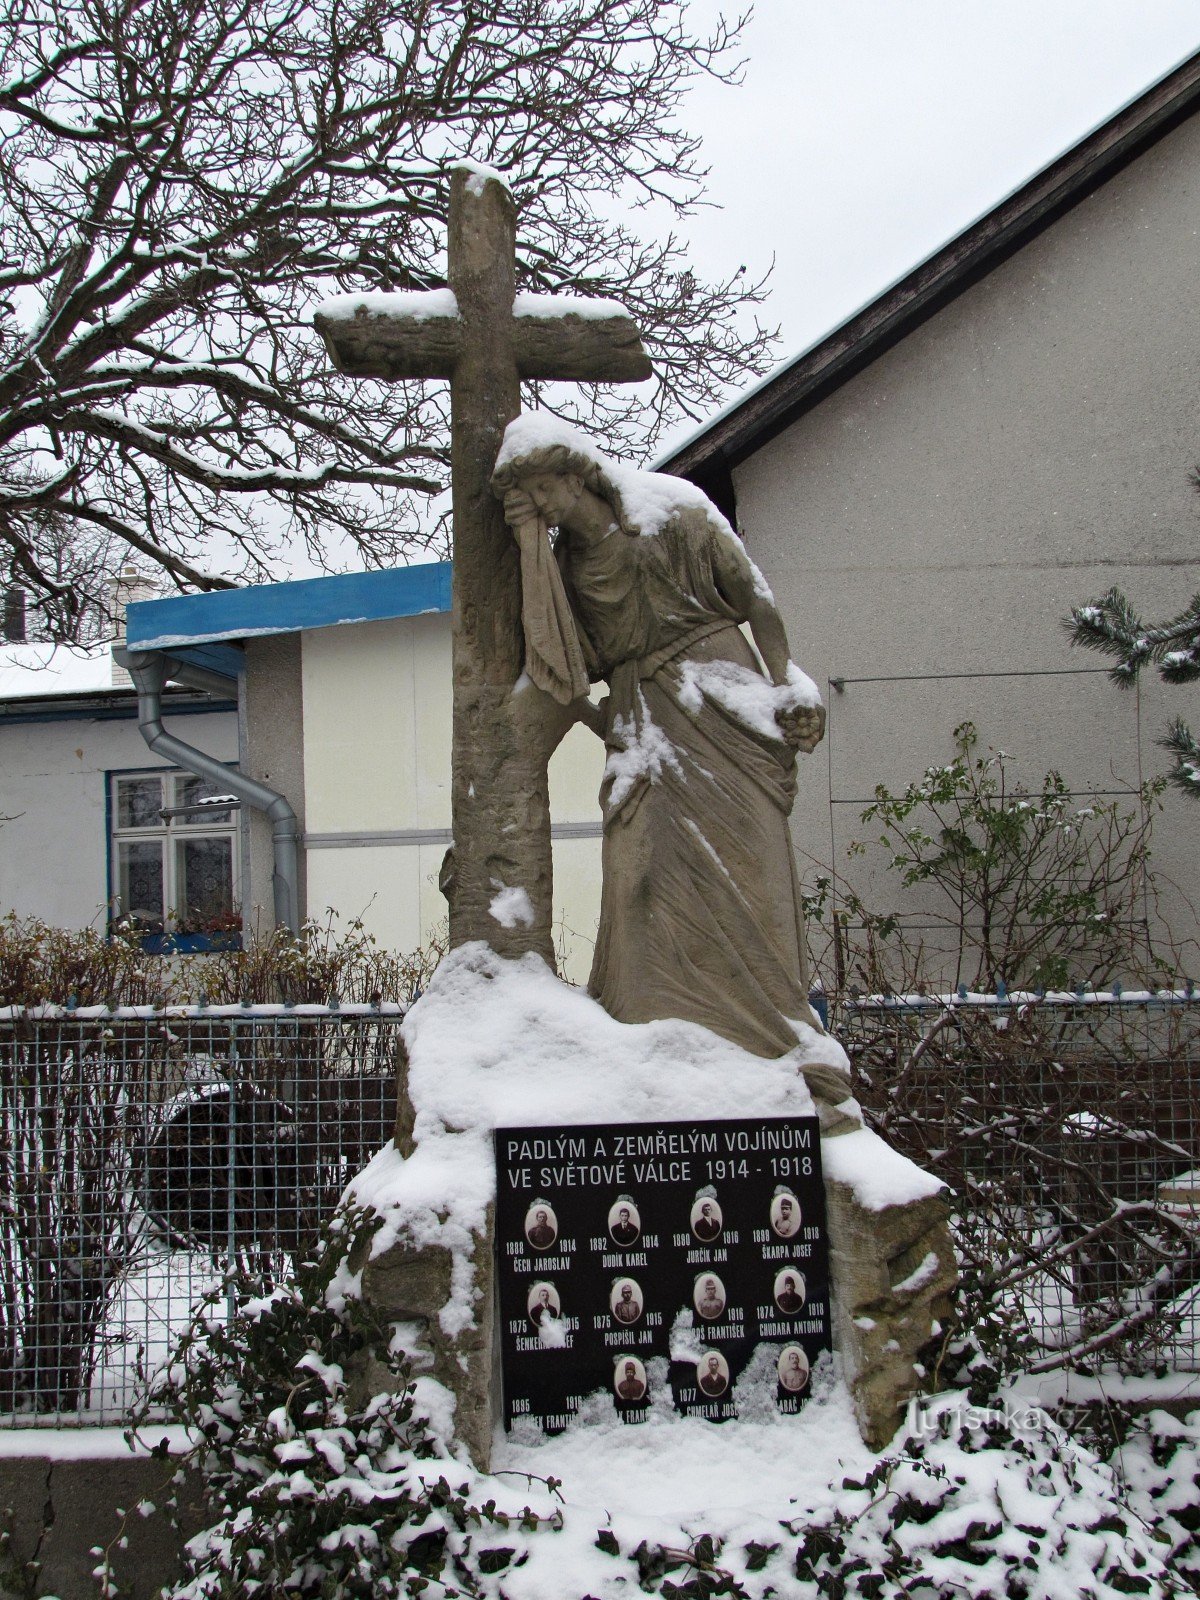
(28, 670)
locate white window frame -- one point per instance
(169, 832)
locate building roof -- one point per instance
(66, 682)
(708, 456)
(31, 671)
(227, 615)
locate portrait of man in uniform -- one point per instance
(785, 1215)
(793, 1369)
(790, 1290)
(542, 1303)
(629, 1379)
(625, 1302)
(624, 1223)
(708, 1296)
(713, 1373)
(541, 1225)
(707, 1220)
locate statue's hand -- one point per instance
(519, 510)
(803, 728)
(593, 714)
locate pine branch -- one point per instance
(1178, 741)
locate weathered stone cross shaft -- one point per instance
(502, 742)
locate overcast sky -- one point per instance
(868, 132)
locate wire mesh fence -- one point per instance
(1068, 1128)
(142, 1154)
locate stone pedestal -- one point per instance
(892, 1273)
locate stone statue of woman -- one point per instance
(646, 586)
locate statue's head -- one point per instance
(554, 476)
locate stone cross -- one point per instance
(502, 742)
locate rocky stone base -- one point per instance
(410, 1285)
(892, 1272)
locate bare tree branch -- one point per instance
(181, 183)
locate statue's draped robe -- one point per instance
(700, 914)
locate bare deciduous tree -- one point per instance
(181, 182)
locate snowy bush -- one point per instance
(978, 878)
(319, 1483)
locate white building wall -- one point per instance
(377, 725)
(53, 797)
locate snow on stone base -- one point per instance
(879, 1175)
(499, 1043)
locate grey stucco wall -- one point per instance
(1025, 449)
(272, 715)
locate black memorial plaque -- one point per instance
(606, 1233)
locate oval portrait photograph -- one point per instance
(541, 1225)
(793, 1369)
(708, 1296)
(785, 1215)
(712, 1373)
(790, 1290)
(543, 1302)
(629, 1379)
(706, 1220)
(625, 1301)
(624, 1223)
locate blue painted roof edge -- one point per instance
(268, 608)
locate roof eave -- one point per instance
(783, 396)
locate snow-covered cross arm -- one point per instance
(485, 339)
(421, 334)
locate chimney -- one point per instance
(129, 584)
(14, 615)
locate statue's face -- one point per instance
(553, 493)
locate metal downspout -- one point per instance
(150, 671)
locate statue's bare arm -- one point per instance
(744, 588)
